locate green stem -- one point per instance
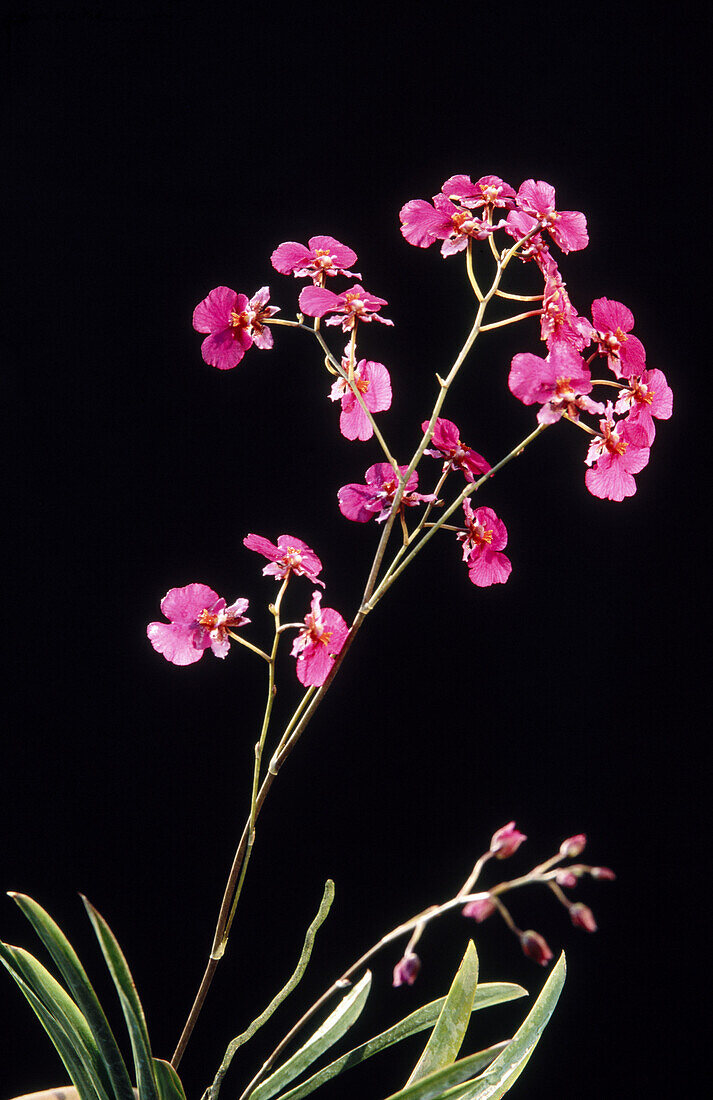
(392, 573)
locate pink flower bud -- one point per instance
(573, 846)
(602, 872)
(479, 908)
(406, 971)
(583, 917)
(565, 877)
(535, 947)
(506, 841)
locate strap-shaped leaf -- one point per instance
(81, 989)
(490, 993)
(169, 1085)
(69, 1047)
(130, 1004)
(508, 1066)
(447, 1036)
(62, 1008)
(337, 1023)
(441, 1082)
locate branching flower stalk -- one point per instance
(477, 905)
(560, 384)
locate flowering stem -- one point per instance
(233, 888)
(290, 725)
(307, 706)
(392, 573)
(445, 384)
(469, 268)
(512, 320)
(249, 645)
(349, 379)
(416, 923)
(519, 297)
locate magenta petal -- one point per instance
(262, 546)
(342, 255)
(632, 357)
(214, 311)
(176, 642)
(316, 300)
(609, 315)
(570, 231)
(184, 605)
(289, 256)
(354, 500)
(609, 480)
(378, 396)
(353, 421)
(489, 567)
(528, 378)
(224, 350)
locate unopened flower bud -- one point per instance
(573, 846)
(535, 947)
(602, 872)
(582, 917)
(479, 908)
(406, 971)
(506, 841)
(565, 877)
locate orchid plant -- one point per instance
(487, 221)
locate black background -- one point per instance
(153, 157)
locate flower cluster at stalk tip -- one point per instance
(560, 382)
(481, 904)
(524, 225)
(505, 843)
(198, 618)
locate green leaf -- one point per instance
(69, 1045)
(490, 993)
(440, 1083)
(80, 988)
(167, 1080)
(508, 1066)
(130, 1004)
(64, 1011)
(292, 982)
(447, 1036)
(337, 1023)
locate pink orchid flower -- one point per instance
(488, 191)
(355, 304)
(645, 398)
(560, 322)
(484, 537)
(234, 324)
(198, 618)
(617, 453)
(322, 256)
(568, 228)
(290, 555)
(318, 643)
(613, 323)
(446, 444)
(559, 383)
(423, 223)
(376, 498)
(374, 384)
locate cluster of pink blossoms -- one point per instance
(235, 323)
(198, 617)
(561, 381)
